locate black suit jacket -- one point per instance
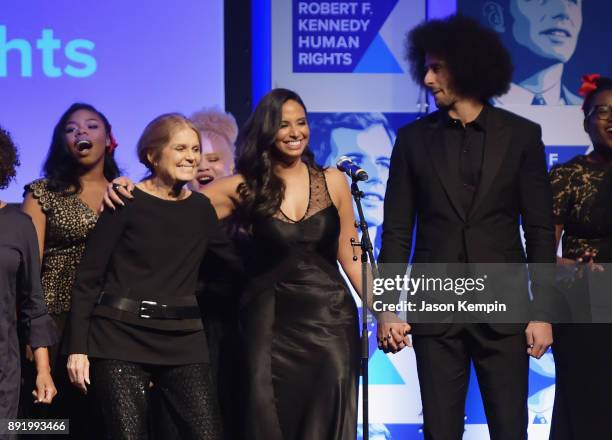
(424, 183)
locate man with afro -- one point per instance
(470, 172)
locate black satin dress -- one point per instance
(299, 329)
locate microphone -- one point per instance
(346, 165)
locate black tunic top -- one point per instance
(151, 249)
(19, 290)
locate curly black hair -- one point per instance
(9, 158)
(262, 192)
(603, 83)
(61, 168)
(480, 66)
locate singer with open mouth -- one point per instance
(64, 206)
(219, 132)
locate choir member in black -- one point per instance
(582, 191)
(134, 310)
(219, 312)
(20, 292)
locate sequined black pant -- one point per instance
(123, 390)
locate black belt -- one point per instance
(148, 309)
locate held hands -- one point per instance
(539, 338)
(45, 388)
(392, 333)
(121, 185)
(78, 371)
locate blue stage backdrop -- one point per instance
(131, 59)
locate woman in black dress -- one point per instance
(134, 310)
(298, 320)
(582, 190)
(20, 291)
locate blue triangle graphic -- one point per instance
(381, 371)
(378, 59)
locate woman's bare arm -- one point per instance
(223, 194)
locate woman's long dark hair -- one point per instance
(262, 191)
(61, 168)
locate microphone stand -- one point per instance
(366, 255)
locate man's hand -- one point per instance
(392, 333)
(78, 371)
(539, 338)
(124, 186)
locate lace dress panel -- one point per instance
(318, 198)
(580, 202)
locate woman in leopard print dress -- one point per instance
(64, 206)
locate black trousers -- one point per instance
(220, 327)
(583, 393)
(123, 390)
(502, 365)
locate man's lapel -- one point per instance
(497, 141)
(446, 167)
